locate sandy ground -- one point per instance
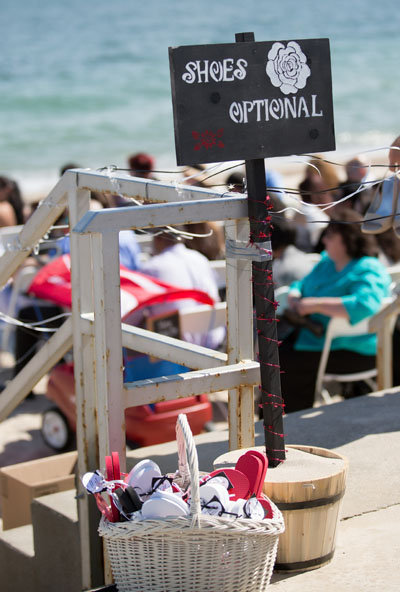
(20, 438)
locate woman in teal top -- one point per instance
(348, 282)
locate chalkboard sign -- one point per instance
(242, 101)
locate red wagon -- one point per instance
(146, 424)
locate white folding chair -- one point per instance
(340, 327)
(394, 272)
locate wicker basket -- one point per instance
(196, 553)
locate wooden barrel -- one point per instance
(309, 502)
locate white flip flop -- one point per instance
(163, 504)
(251, 508)
(214, 499)
(142, 481)
(141, 476)
(139, 466)
(237, 507)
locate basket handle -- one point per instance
(188, 462)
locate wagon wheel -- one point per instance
(55, 429)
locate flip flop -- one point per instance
(110, 477)
(218, 476)
(109, 469)
(253, 468)
(116, 465)
(164, 505)
(128, 500)
(239, 481)
(95, 483)
(210, 490)
(251, 508)
(139, 467)
(214, 498)
(143, 479)
(110, 474)
(104, 508)
(163, 483)
(383, 206)
(264, 460)
(266, 505)
(237, 507)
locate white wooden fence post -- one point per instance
(239, 338)
(108, 339)
(85, 389)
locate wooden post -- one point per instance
(265, 308)
(108, 345)
(85, 389)
(239, 339)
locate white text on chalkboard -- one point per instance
(216, 71)
(266, 109)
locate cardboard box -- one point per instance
(21, 483)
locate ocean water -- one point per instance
(88, 82)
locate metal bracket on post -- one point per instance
(236, 249)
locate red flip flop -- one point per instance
(254, 469)
(264, 460)
(116, 466)
(104, 508)
(266, 505)
(110, 473)
(109, 469)
(260, 455)
(240, 483)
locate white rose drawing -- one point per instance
(287, 67)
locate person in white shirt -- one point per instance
(175, 264)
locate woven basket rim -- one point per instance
(268, 526)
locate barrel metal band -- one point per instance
(302, 565)
(236, 249)
(323, 501)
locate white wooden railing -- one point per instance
(96, 333)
